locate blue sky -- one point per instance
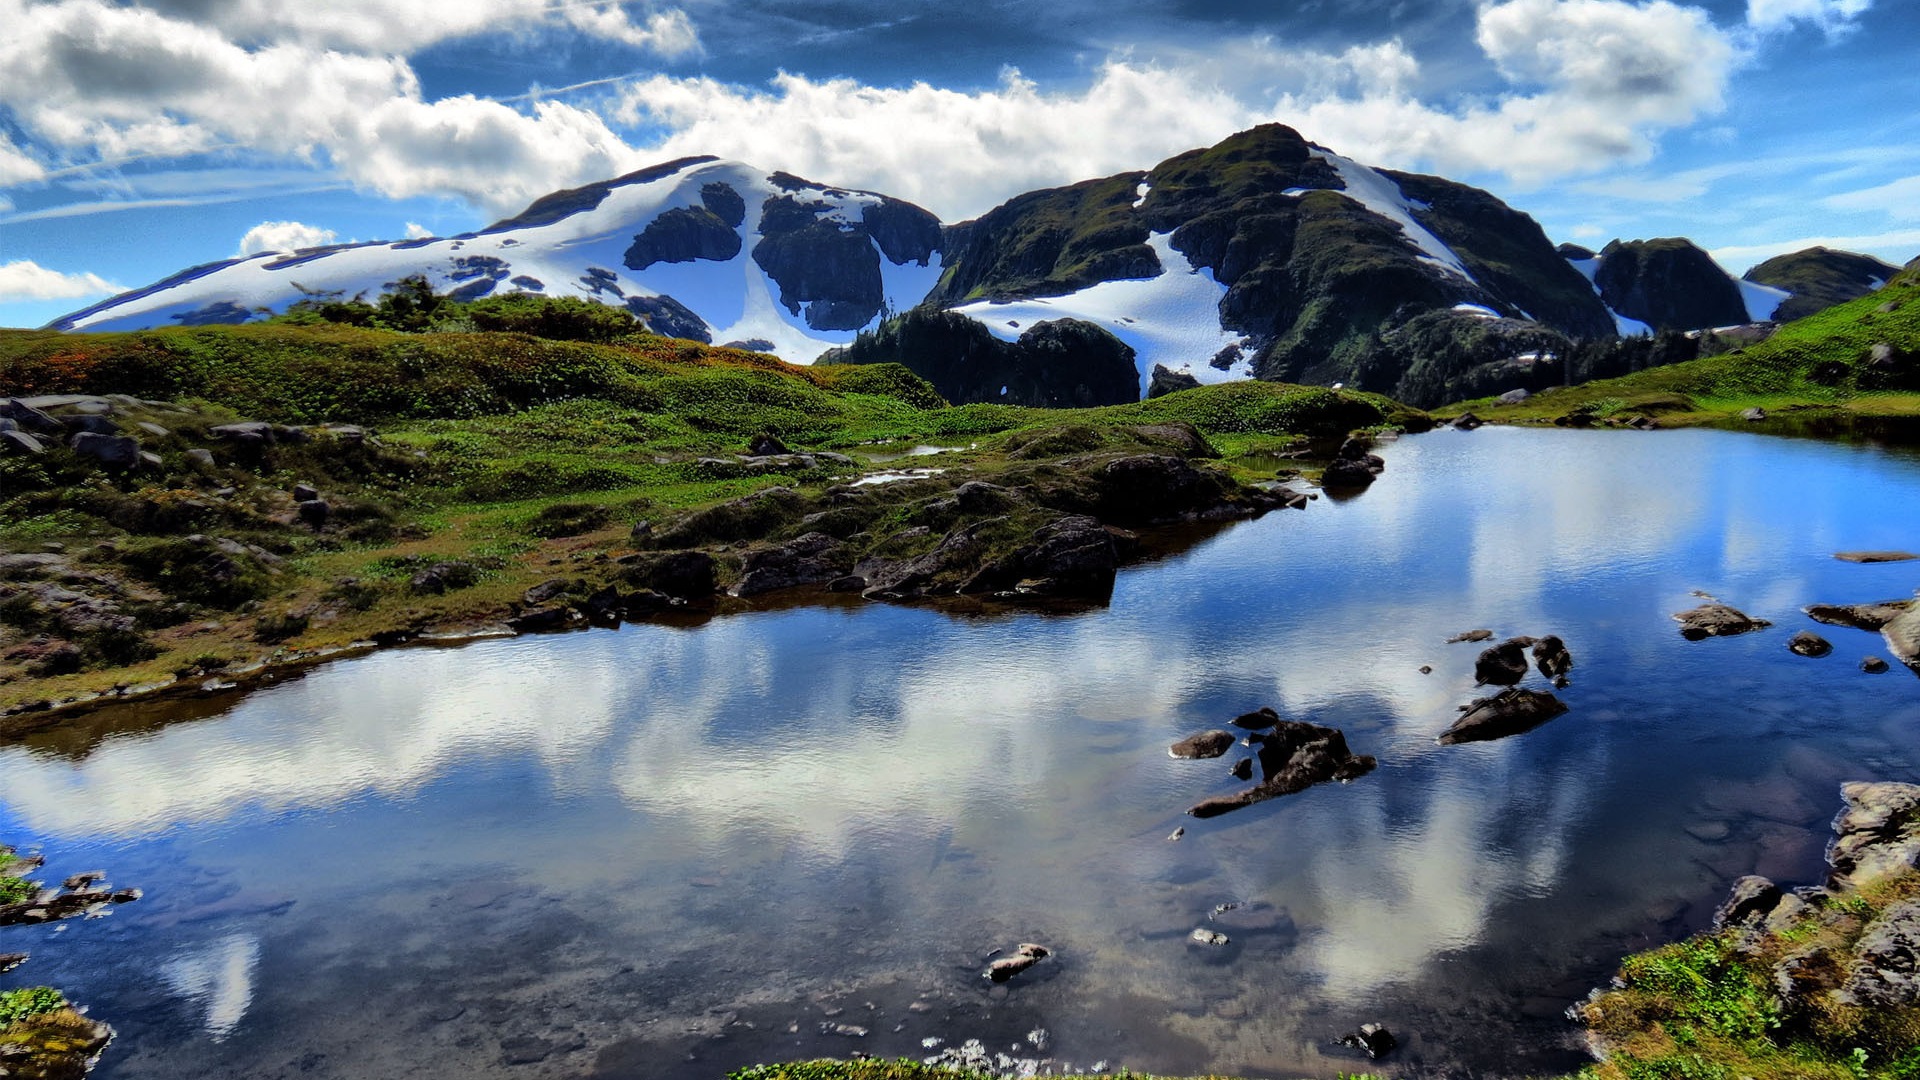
(140, 138)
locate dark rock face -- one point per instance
(683, 234)
(1165, 382)
(117, 452)
(830, 267)
(1819, 278)
(1716, 620)
(1752, 899)
(723, 202)
(1261, 719)
(1668, 284)
(1550, 655)
(1069, 557)
(1294, 757)
(813, 559)
(1513, 711)
(1059, 364)
(1207, 744)
(669, 317)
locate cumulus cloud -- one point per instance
(417, 231)
(16, 166)
(1830, 15)
(24, 279)
(115, 82)
(284, 236)
(1899, 199)
(957, 152)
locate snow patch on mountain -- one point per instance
(1366, 186)
(1761, 300)
(1172, 319)
(1590, 269)
(580, 252)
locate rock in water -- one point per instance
(1510, 712)
(1858, 616)
(1470, 635)
(1752, 899)
(1875, 556)
(1259, 720)
(1204, 936)
(1242, 769)
(1504, 664)
(1902, 635)
(1296, 756)
(1550, 655)
(1375, 1039)
(1807, 643)
(1716, 620)
(1873, 665)
(1207, 744)
(1024, 957)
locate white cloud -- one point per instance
(1899, 199)
(957, 152)
(93, 79)
(16, 167)
(417, 231)
(24, 279)
(403, 27)
(284, 236)
(1831, 15)
(1897, 246)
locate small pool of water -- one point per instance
(668, 852)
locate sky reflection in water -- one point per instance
(822, 798)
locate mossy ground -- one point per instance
(1705, 1009)
(1810, 371)
(526, 457)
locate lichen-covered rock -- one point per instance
(1878, 833)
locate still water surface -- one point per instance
(661, 852)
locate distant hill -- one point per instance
(1818, 278)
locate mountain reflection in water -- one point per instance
(602, 841)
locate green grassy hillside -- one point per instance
(1822, 366)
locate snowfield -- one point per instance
(581, 254)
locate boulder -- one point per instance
(1294, 757)
(1466, 421)
(1470, 635)
(1753, 415)
(1068, 557)
(1207, 744)
(688, 575)
(252, 434)
(813, 559)
(1752, 899)
(314, 513)
(1716, 620)
(305, 493)
(117, 452)
(1007, 967)
(542, 620)
(1873, 665)
(200, 457)
(1875, 556)
(1344, 475)
(604, 606)
(1374, 1039)
(1502, 665)
(547, 590)
(1809, 644)
(1550, 655)
(766, 445)
(30, 419)
(19, 442)
(1513, 397)
(1886, 970)
(1513, 711)
(91, 423)
(443, 576)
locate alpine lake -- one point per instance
(674, 850)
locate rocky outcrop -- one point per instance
(1668, 284)
(1715, 619)
(1512, 711)
(1207, 744)
(1163, 382)
(683, 234)
(1819, 278)
(1063, 363)
(812, 559)
(1902, 635)
(1293, 757)
(1858, 616)
(828, 269)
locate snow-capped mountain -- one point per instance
(701, 248)
(1264, 256)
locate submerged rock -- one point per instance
(1207, 744)
(1294, 757)
(1716, 620)
(1512, 711)
(1374, 1039)
(1024, 957)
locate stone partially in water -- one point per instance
(1261, 719)
(1875, 556)
(1858, 616)
(1470, 635)
(1024, 957)
(1207, 744)
(1503, 664)
(1204, 936)
(1809, 644)
(1296, 756)
(1873, 665)
(1510, 712)
(1550, 655)
(1716, 620)
(1902, 635)
(1374, 1039)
